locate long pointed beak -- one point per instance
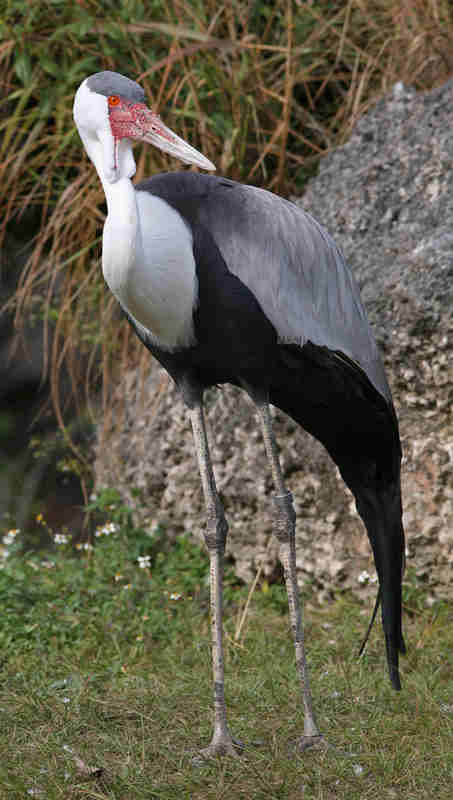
(155, 132)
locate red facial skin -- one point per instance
(133, 120)
(124, 118)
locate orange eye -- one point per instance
(114, 100)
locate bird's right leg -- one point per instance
(222, 742)
(285, 524)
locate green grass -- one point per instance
(106, 688)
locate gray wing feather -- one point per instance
(296, 272)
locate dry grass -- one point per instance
(262, 90)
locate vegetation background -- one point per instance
(105, 655)
(264, 89)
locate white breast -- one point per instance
(149, 266)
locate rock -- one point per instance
(387, 198)
(392, 216)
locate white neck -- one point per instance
(122, 243)
(147, 257)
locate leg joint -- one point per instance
(216, 529)
(285, 516)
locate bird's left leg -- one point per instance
(285, 525)
(222, 742)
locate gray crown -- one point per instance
(108, 83)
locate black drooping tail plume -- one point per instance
(371, 468)
(388, 549)
(370, 626)
(371, 623)
(333, 399)
(378, 499)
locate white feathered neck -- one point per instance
(147, 253)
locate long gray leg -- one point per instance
(215, 537)
(285, 522)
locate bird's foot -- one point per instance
(222, 744)
(305, 742)
(318, 742)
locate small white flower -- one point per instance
(175, 596)
(105, 530)
(84, 546)
(358, 769)
(60, 538)
(48, 564)
(144, 562)
(364, 577)
(10, 536)
(66, 699)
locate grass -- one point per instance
(106, 683)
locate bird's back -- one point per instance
(286, 259)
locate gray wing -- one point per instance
(295, 270)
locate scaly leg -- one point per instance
(215, 537)
(285, 521)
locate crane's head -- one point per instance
(110, 111)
